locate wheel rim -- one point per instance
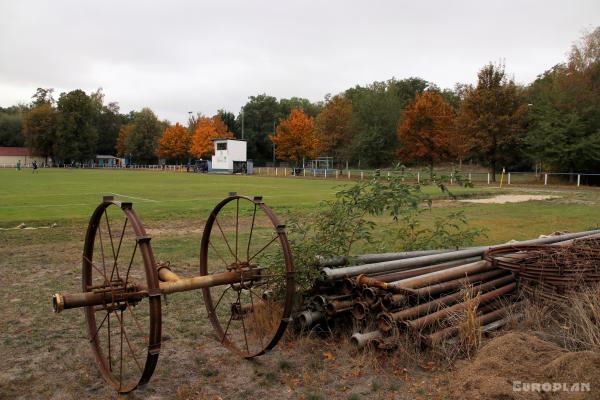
(124, 336)
(249, 317)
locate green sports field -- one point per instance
(55, 195)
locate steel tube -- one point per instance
(430, 319)
(198, 282)
(439, 336)
(403, 274)
(443, 275)
(425, 308)
(373, 258)
(360, 340)
(456, 283)
(338, 273)
(67, 301)
(308, 318)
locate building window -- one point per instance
(222, 146)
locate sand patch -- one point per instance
(510, 198)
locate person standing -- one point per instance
(19, 165)
(34, 166)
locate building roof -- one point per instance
(232, 140)
(15, 151)
(100, 156)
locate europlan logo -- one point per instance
(519, 386)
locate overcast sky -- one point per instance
(180, 56)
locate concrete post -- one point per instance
(508, 183)
(488, 178)
(418, 176)
(275, 171)
(545, 179)
(361, 175)
(325, 173)
(578, 180)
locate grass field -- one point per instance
(46, 355)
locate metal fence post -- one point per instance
(336, 173)
(361, 175)
(304, 171)
(545, 179)
(578, 180)
(348, 174)
(470, 180)
(325, 173)
(508, 179)
(275, 171)
(488, 178)
(418, 176)
(451, 178)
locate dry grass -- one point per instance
(573, 324)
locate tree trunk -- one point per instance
(493, 170)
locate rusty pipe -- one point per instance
(441, 335)
(430, 319)
(456, 283)
(426, 308)
(409, 273)
(338, 306)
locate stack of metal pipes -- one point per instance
(420, 292)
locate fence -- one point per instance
(510, 178)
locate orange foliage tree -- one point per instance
(427, 130)
(295, 137)
(208, 129)
(334, 128)
(174, 143)
(123, 133)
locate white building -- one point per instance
(230, 155)
(10, 156)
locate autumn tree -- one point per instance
(334, 128)
(295, 137)
(208, 129)
(39, 130)
(120, 145)
(175, 143)
(491, 116)
(426, 131)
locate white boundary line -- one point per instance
(136, 198)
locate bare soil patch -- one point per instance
(510, 198)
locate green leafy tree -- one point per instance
(377, 109)
(260, 115)
(564, 104)
(142, 141)
(286, 106)
(229, 119)
(39, 129)
(492, 117)
(11, 121)
(76, 136)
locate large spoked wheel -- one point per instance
(125, 332)
(243, 235)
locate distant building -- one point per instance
(230, 155)
(108, 161)
(9, 156)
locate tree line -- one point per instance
(553, 122)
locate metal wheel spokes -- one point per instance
(124, 334)
(243, 235)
